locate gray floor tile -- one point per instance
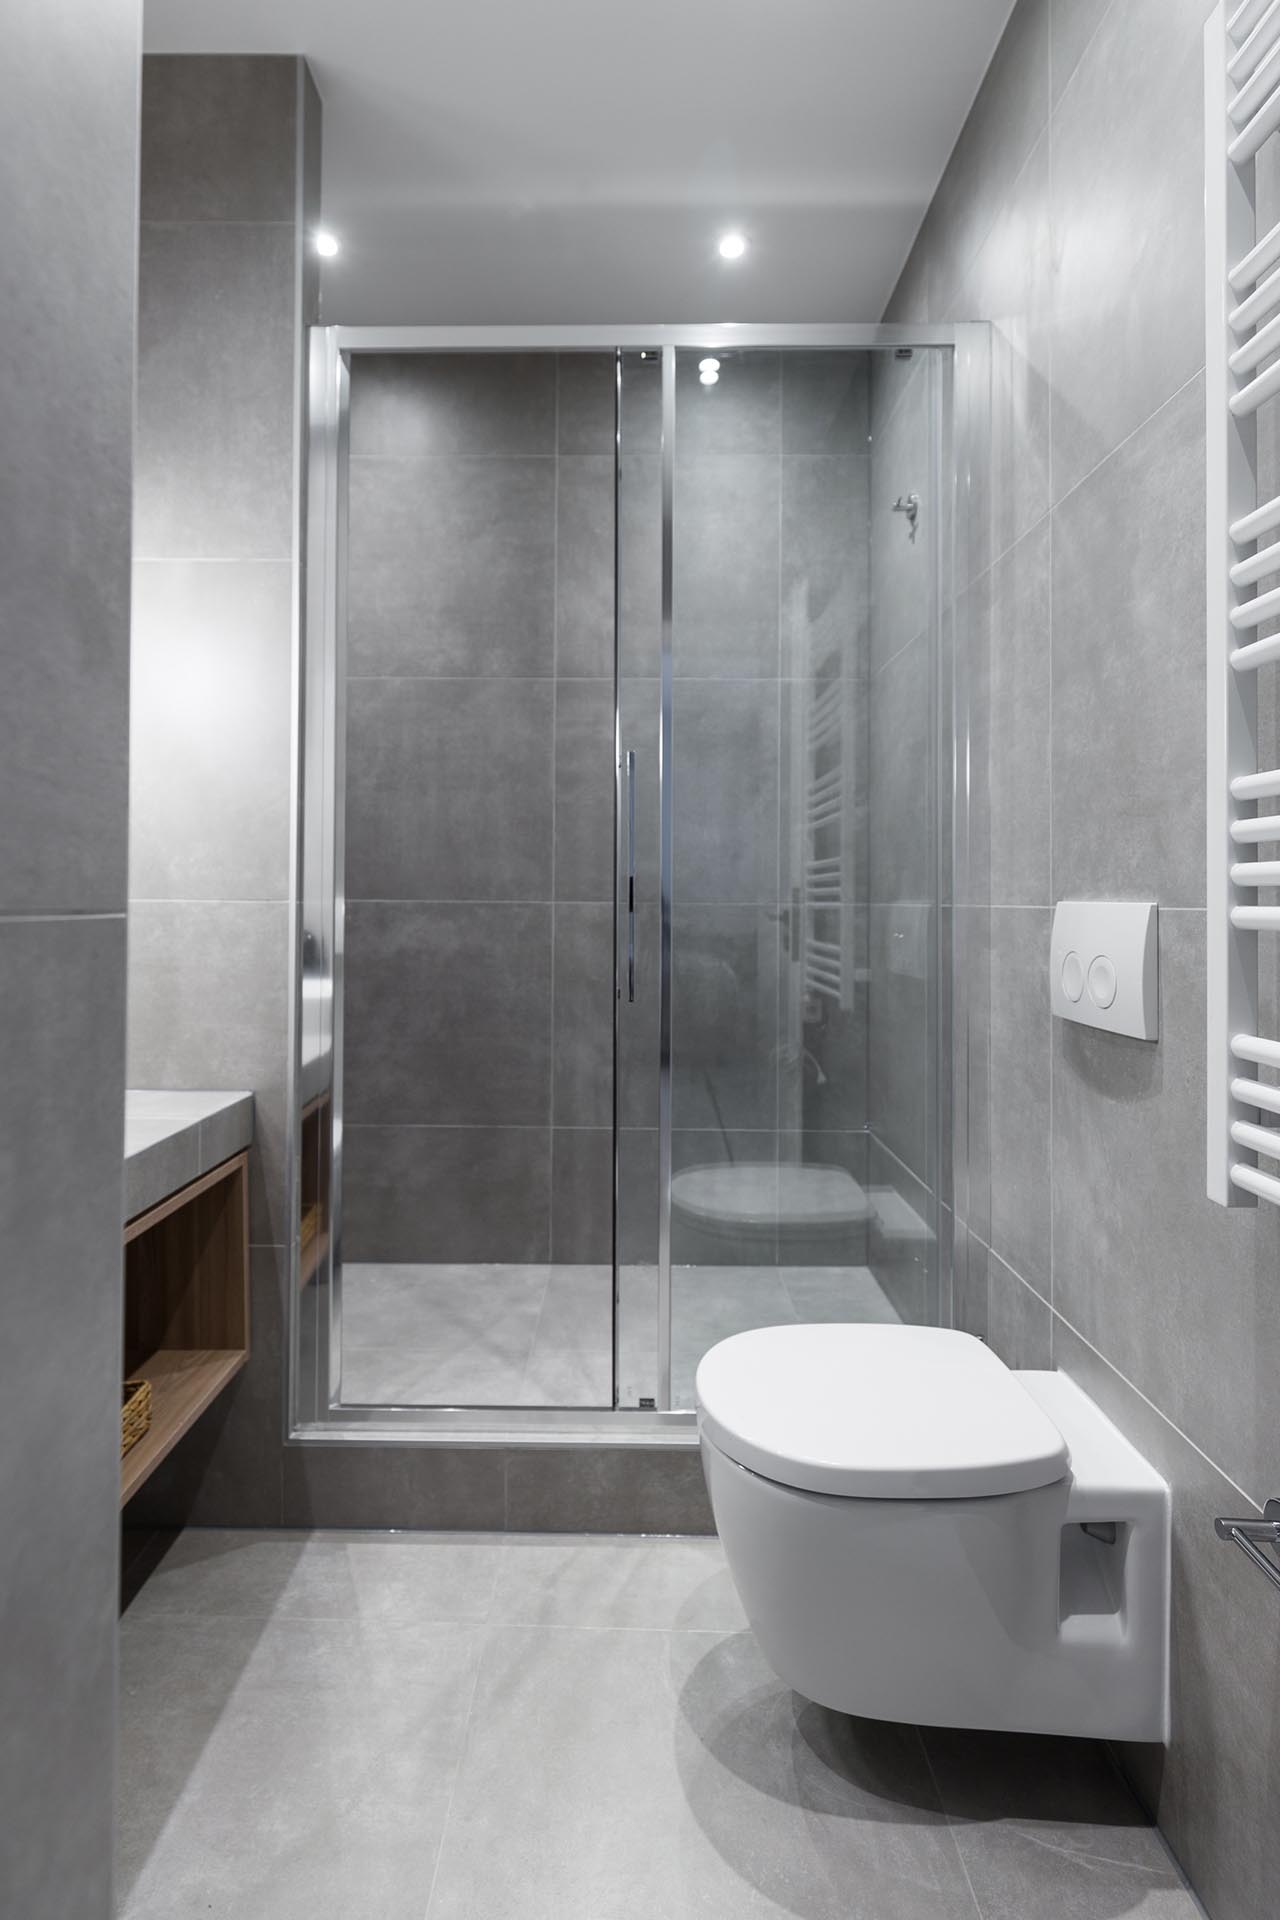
(598, 1580)
(286, 1768)
(370, 1577)
(315, 1726)
(848, 1294)
(1048, 1830)
(698, 1784)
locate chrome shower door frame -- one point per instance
(314, 1412)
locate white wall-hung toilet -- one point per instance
(919, 1534)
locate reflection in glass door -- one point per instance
(618, 974)
(802, 801)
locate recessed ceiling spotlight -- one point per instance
(327, 245)
(708, 379)
(732, 246)
(709, 365)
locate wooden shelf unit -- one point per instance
(317, 1157)
(186, 1307)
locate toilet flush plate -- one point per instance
(1104, 965)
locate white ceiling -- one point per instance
(574, 160)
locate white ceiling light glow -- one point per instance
(732, 246)
(327, 245)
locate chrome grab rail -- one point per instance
(1251, 1535)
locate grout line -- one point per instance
(1141, 427)
(67, 914)
(1158, 1411)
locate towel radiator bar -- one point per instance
(1242, 332)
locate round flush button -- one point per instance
(1102, 981)
(1072, 975)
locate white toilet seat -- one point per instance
(876, 1412)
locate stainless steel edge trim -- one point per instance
(617, 869)
(664, 881)
(332, 1348)
(604, 339)
(496, 1426)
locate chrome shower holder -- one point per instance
(909, 503)
(1251, 1536)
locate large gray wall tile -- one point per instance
(1072, 24)
(726, 566)
(898, 1048)
(448, 1013)
(1127, 213)
(582, 1016)
(606, 1490)
(582, 1195)
(586, 403)
(210, 730)
(584, 828)
(901, 568)
(1020, 1106)
(452, 566)
(1179, 1294)
(1015, 596)
(584, 565)
(449, 789)
(1010, 280)
(724, 1016)
(69, 101)
(454, 403)
(1128, 668)
(61, 1153)
(825, 403)
(208, 1007)
(724, 757)
(428, 1194)
(218, 134)
(739, 414)
(216, 342)
(387, 1486)
(825, 564)
(1004, 123)
(900, 723)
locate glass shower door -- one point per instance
(801, 796)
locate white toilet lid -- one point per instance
(876, 1412)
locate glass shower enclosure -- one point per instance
(623, 844)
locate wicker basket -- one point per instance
(136, 1415)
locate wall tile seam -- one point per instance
(878, 672)
(1120, 445)
(989, 567)
(1059, 1316)
(1043, 132)
(872, 1135)
(1159, 1411)
(52, 916)
(208, 900)
(195, 221)
(1103, 17)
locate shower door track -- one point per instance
(331, 347)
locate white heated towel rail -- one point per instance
(1242, 333)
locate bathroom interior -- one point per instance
(640, 959)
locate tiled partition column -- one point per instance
(1070, 217)
(68, 146)
(230, 182)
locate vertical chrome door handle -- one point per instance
(631, 876)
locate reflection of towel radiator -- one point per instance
(829, 845)
(1242, 336)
